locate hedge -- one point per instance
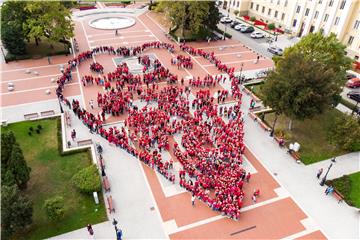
(87, 180)
(228, 35)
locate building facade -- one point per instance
(300, 17)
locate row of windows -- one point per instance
(269, 11)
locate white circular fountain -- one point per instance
(112, 23)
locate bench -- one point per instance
(247, 91)
(30, 116)
(102, 163)
(110, 204)
(338, 196)
(84, 142)
(252, 116)
(67, 118)
(255, 108)
(47, 113)
(106, 184)
(3, 123)
(255, 97)
(295, 155)
(264, 126)
(277, 139)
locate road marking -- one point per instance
(222, 46)
(223, 54)
(120, 37)
(24, 79)
(121, 32)
(211, 65)
(35, 89)
(30, 68)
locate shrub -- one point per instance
(87, 180)
(253, 19)
(54, 207)
(236, 12)
(271, 26)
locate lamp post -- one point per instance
(226, 23)
(242, 65)
(61, 109)
(2, 50)
(114, 222)
(322, 183)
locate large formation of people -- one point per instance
(211, 147)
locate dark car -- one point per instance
(247, 29)
(234, 23)
(354, 96)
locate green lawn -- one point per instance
(51, 175)
(44, 48)
(311, 134)
(255, 88)
(348, 186)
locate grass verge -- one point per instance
(51, 175)
(311, 134)
(348, 186)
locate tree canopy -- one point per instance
(14, 169)
(16, 211)
(307, 78)
(345, 132)
(28, 20)
(198, 17)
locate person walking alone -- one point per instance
(193, 200)
(90, 229)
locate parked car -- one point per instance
(354, 96)
(240, 26)
(353, 83)
(275, 50)
(225, 20)
(234, 23)
(247, 29)
(257, 35)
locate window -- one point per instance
(337, 19)
(351, 39)
(326, 17)
(331, 3)
(285, 4)
(307, 12)
(294, 23)
(278, 2)
(298, 9)
(263, 9)
(269, 12)
(257, 7)
(357, 24)
(276, 14)
(237, 4)
(320, 1)
(342, 5)
(252, 5)
(316, 14)
(282, 16)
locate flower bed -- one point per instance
(82, 8)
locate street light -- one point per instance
(114, 222)
(242, 65)
(226, 23)
(322, 183)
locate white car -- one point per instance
(225, 20)
(257, 35)
(240, 26)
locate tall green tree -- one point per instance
(307, 78)
(49, 19)
(12, 18)
(16, 211)
(299, 88)
(17, 165)
(14, 169)
(345, 132)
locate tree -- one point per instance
(18, 167)
(54, 207)
(87, 180)
(12, 36)
(271, 26)
(13, 165)
(345, 132)
(300, 88)
(16, 211)
(48, 19)
(253, 19)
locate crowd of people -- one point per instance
(211, 148)
(96, 67)
(182, 61)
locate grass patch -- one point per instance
(348, 104)
(255, 88)
(348, 186)
(311, 134)
(51, 175)
(44, 48)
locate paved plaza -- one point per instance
(292, 204)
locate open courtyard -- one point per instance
(165, 136)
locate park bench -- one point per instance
(47, 113)
(255, 97)
(295, 155)
(84, 142)
(264, 126)
(106, 184)
(255, 108)
(102, 163)
(110, 204)
(30, 116)
(247, 91)
(253, 116)
(338, 196)
(67, 118)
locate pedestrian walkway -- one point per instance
(103, 230)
